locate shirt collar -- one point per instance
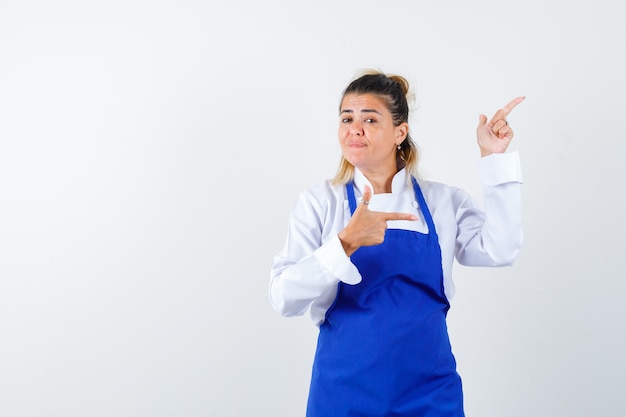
(398, 183)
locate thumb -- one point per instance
(482, 120)
(367, 195)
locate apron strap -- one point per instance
(351, 199)
(425, 211)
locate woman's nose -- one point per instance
(356, 129)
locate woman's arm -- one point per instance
(492, 237)
(305, 273)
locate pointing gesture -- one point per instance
(495, 136)
(366, 227)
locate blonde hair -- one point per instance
(393, 90)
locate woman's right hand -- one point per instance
(366, 227)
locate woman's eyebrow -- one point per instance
(362, 111)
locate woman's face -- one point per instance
(367, 135)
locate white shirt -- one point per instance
(306, 272)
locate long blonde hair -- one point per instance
(393, 91)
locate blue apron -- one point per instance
(383, 348)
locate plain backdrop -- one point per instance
(150, 152)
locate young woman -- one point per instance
(370, 255)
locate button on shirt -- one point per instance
(306, 272)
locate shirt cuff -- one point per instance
(333, 258)
(500, 168)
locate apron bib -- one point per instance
(383, 348)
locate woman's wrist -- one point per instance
(348, 247)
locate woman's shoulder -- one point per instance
(322, 193)
(441, 193)
(436, 187)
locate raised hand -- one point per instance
(366, 227)
(495, 136)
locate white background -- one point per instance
(150, 152)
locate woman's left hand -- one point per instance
(495, 136)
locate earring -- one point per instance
(400, 152)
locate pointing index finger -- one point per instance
(509, 107)
(503, 112)
(400, 216)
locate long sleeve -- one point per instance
(493, 237)
(306, 272)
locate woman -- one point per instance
(376, 276)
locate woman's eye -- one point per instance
(370, 121)
(345, 120)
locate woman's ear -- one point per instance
(402, 130)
